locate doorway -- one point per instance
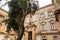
(44, 38)
(30, 35)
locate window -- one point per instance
(6, 37)
(44, 38)
(50, 13)
(53, 26)
(43, 27)
(42, 15)
(38, 37)
(55, 38)
(30, 35)
(46, 14)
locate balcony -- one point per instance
(50, 31)
(57, 30)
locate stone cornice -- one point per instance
(3, 10)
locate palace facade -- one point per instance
(44, 24)
(3, 27)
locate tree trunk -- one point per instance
(20, 35)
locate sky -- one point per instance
(6, 6)
(41, 3)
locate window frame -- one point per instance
(42, 15)
(50, 13)
(30, 35)
(53, 26)
(43, 27)
(55, 38)
(38, 37)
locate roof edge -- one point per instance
(4, 10)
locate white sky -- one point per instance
(6, 6)
(42, 3)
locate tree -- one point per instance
(17, 13)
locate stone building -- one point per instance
(44, 24)
(3, 27)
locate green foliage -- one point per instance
(17, 7)
(14, 12)
(17, 13)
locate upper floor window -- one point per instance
(38, 37)
(55, 38)
(51, 14)
(43, 27)
(42, 15)
(53, 26)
